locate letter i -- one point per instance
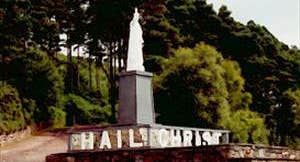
(119, 138)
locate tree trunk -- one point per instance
(112, 86)
(70, 73)
(78, 69)
(3, 68)
(97, 75)
(90, 71)
(125, 53)
(120, 53)
(115, 66)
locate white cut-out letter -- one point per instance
(119, 139)
(87, 140)
(198, 139)
(163, 137)
(187, 138)
(176, 140)
(131, 140)
(105, 141)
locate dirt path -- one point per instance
(34, 148)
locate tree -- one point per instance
(288, 118)
(15, 24)
(108, 16)
(259, 53)
(246, 126)
(208, 91)
(65, 20)
(160, 35)
(15, 30)
(36, 77)
(108, 36)
(46, 29)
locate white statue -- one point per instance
(135, 46)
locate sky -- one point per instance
(281, 17)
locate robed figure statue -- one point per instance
(135, 58)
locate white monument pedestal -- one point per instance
(136, 98)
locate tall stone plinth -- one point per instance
(136, 98)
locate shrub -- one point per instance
(57, 117)
(11, 112)
(81, 111)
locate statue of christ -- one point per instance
(135, 46)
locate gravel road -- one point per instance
(34, 148)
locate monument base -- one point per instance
(216, 153)
(142, 136)
(136, 98)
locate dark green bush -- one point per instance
(57, 117)
(29, 106)
(11, 112)
(81, 111)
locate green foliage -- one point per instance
(46, 30)
(238, 98)
(88, 104)
(15, 24)
(81, 111)
(29, 107)
(11, 111)
(246, 127)
(37, 78)
(153, 63)
(288, 116)
(57, 117)
(209, 93)
(195, 78)
(161, 35)
(93, 92)
(269, 66)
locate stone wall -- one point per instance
(218, 153)
(6, 139)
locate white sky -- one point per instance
(281, 17)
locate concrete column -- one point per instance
(136, 98)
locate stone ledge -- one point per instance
(217, 153)
(136, 72)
